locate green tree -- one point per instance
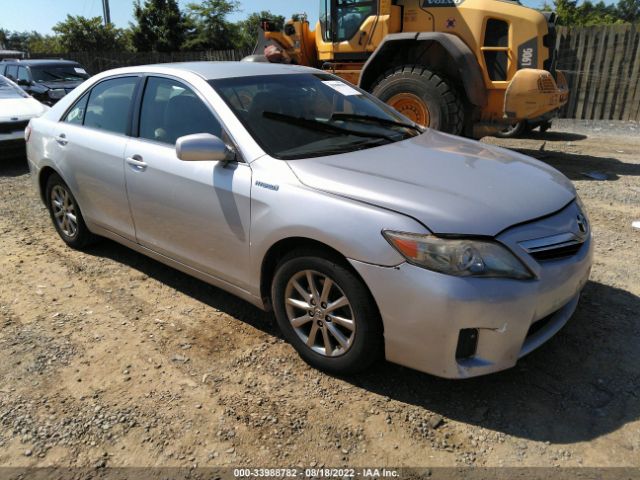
(629, 10)
(160, 26)
(44, 44)
(209, 28)
(77, 33)
(248, 28)
(588, 13)
(15, 40)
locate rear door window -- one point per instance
(109, 105)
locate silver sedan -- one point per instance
(365, 234)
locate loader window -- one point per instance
(340, 20)
(496, 49)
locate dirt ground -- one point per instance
(110, 358)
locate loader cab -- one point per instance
(340, 20)
(350, 30)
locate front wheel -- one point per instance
(327, 314)
(422, 96)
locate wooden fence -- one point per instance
(602, 65)
(96, 62)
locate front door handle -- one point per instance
(137, 163)
(62, 139)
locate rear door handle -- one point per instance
(137, 163)
(62, 139)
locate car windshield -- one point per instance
(10, 90)
(310, 115)
(58, 73)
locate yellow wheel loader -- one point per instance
(467, 67)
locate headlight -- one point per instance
(56, 94)
(463, 258)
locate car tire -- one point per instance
(66, 215)
(423, 96)
(356, 345)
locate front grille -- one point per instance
(557, 253)
(546, 84)
(9, 127)
(554, 247)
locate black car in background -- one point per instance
(46, 80)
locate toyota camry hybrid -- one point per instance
(367, 235)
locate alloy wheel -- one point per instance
(64, 211)
(320, 313)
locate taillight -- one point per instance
(27, 133)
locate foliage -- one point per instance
(249, 28)
(78, 33)
(15, 40)
(587, 13)
(208, 27)
(160, 26)
(629, 10)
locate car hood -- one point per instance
(20, 108)
(450, 184)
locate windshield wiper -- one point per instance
(312, 124)
(350, 147)
(372, 119)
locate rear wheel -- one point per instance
(65, 214)
(325, 311)
(422, 96)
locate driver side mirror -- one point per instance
(203, 147)
(24, 83)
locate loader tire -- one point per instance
(422, 96)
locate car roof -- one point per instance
(217, 70)
(32, 62)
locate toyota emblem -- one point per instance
(582, 223)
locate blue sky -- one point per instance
(41, 15)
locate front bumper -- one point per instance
(424, 312)
(533, 93)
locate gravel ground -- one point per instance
(108, 358)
